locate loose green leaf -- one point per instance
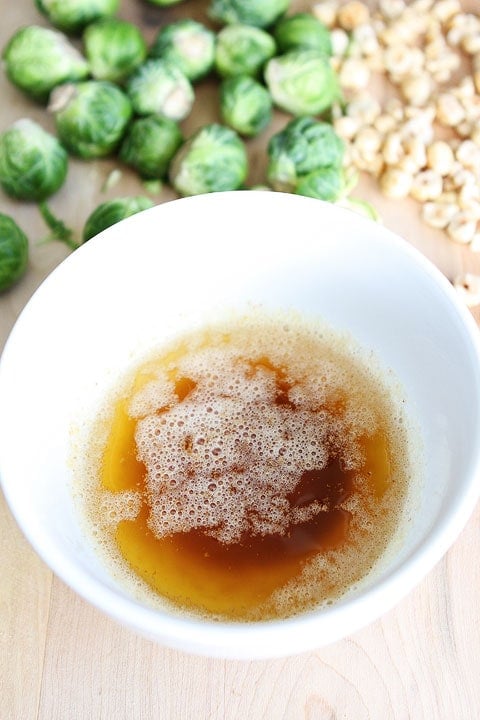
(59, 231)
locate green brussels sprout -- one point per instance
(302, 82)
(242, 50)
(160, 88)
(302, 30)
(111, 212)
(164, 3)
(36, 59)
(150, 144)
(303, 146)
(187, 44)
(245, 105)
(13, 252)
(114, 48)
(214, 159)
(33, 164)
(260, 13)
(91, 117)
(324, 184)
(72, 16)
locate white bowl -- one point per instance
(167, 268)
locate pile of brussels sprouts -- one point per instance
(120, 97)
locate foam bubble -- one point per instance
(232, 425)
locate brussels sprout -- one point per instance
(159, 87)
(302, 30)
(164, 3)
(33, 164)
(91, 117)
(187, 44)
(111, 212)
(302, 82)
(73, 15)
(13, 252)
(324, 184)
(260, 13)
(245, 105)
(114, 48)
(150, 144)
(242, 50)
(37, 59)
(214, 159)
(303, 146)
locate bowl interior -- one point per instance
(184, 262)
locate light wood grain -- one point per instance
(63, 660)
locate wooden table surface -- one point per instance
(63, 660)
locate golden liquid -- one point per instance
(241, 580)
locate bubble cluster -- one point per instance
(157, 394)
(229, 419)
(227, 457)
